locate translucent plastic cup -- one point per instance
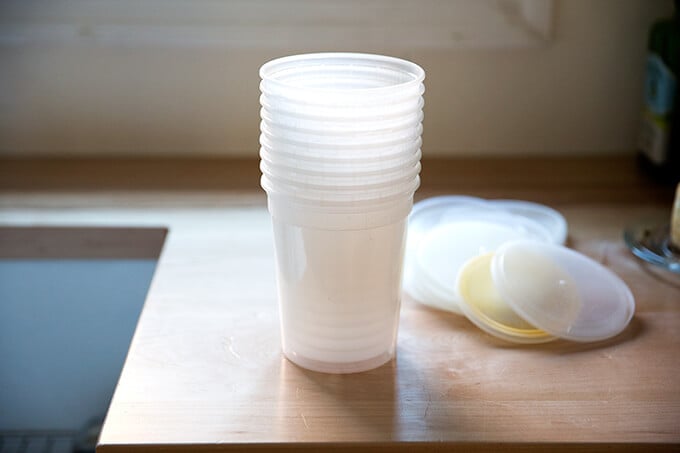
(340, 137)
(339, 282)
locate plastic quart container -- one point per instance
(340, 160)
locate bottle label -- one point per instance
(660, 86)
(653, 139)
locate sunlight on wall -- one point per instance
(180, 78)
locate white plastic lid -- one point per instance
(445, 232)
(561, 291)
(444, 251)
(552, 220)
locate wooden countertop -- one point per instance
(205, 372)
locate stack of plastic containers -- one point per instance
(340, 158)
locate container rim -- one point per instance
(351, 182)
(340, 167)
(317, 198)
(415, 73)
(310, 151)
(339, 113)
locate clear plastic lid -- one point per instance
(552, 220)
(561, 291)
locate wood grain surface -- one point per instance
(205, 372)
(606, 179)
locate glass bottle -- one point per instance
(659, 141)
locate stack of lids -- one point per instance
(503, 265)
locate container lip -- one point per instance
(333, 128)
(351, 182)
(371, 140)
(417, 74)
(339, 167)
(342, 207)
(340, 114)
(268, 140)
(315, 197)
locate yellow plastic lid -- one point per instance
(485, 307)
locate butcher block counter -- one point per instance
(204, 370)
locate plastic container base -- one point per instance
(338, 367)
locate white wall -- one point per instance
(578, 93)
